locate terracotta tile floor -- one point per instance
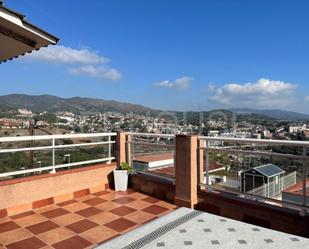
(81, 223)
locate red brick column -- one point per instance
(186, 170)
(128, 148)
(123, 148)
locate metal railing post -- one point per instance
(109, 149)
(207, 162)
(53, 156)
(304, 178)
(131, 150)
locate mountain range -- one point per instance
(273, 113)
(79, 105)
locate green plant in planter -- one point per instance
(125, 166)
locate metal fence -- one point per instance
(145, 147)
(257, 150)
(148, 144)
(51, 143)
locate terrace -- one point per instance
(56, 191)
(73, 204)
(81, 222)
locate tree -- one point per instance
(47, 117)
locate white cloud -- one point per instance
(307, 98)
(211, 87)
(62, 54)
(179, 84)
(99, 72)
(262, 93)
(82, 61)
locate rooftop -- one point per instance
(297, 189)
(48, 203)
(18, 36)
(269, 170)
(153, 157)
(170, 170)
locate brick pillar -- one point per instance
(128, 148)
(123, 148)
(120, 148)
(186, 170)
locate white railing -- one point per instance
(53, 147)
(255, 141)
(150, 140)
(146, 137)
(219, 144)
(151, 135)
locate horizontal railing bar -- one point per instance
(26, 171)
(257, 141)
(261, 153)
(83, 144)
(151, 134)
(157, 175)
(151, 153)
(48, 137)
(156, 144)
(53, 147)
(26, 149)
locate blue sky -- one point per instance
(168, 54)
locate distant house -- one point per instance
(11, 123)
(297, 129)
(163, 164)
(265, 180)
(42, 124)
(25, 113)
(306, 133)
(152, 161)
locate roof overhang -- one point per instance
(18, 36)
